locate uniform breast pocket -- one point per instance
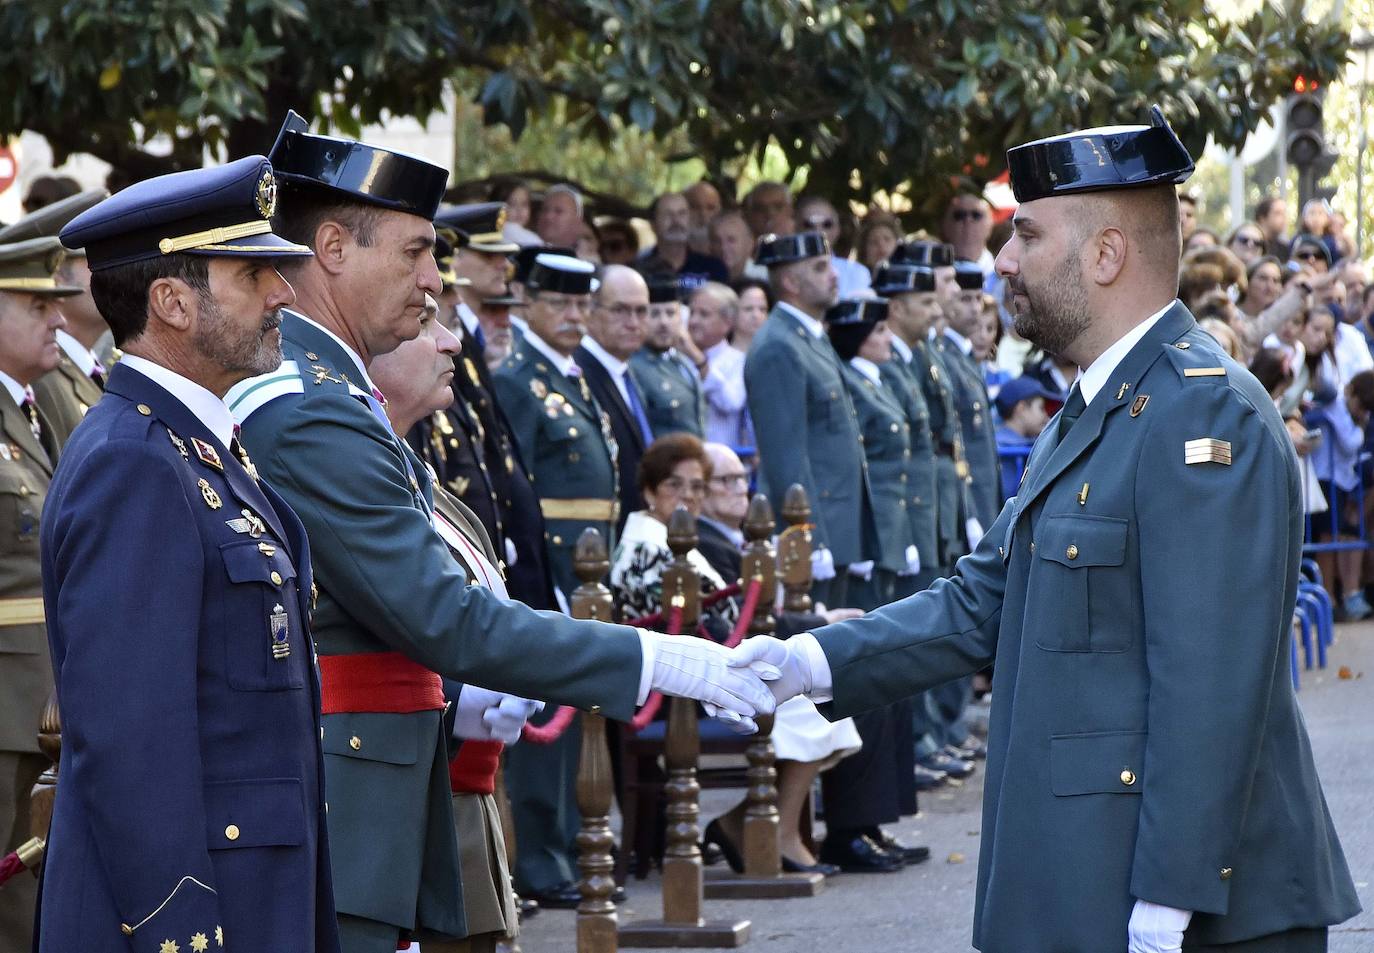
(264, 642)
(21, 501)
(1087, 598)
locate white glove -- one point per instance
(690, 667)
(786, 672)
(974, 531)
(822, 565)
(913, 562)
(863, 570)
(485, 715)
(511, 555)
(1155, 928)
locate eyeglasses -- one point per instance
(1248, 241)
(967, 215)
(732, 480)
(676, 485)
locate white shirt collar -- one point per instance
(468, 317)
(357, 361)
(811, 324)
(716, 350)
(80, 354)
(964, 343)
(867, 368)
(17, 390)
(902, 348)
(729, 532)
(207, 408)
(520, 323)
(565, 365)
(615, 365)
(1095, 376)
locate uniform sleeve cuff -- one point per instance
(648, 652)
(822, 682)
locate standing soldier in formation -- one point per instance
(29, 320)
(670, 384)
(971, 392)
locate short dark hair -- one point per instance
(741, 285)
(664, 454)
(1362, 386)
(121, 293)
(302, 209)
(1272, 368)
(1265, 206)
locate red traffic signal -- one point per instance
(1301, 84)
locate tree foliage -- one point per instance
(865, 94)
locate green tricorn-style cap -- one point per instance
(29, 267)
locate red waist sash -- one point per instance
(377, 682)
(473, 768)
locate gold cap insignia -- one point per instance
(1207, 450)
(501, 219)
(267, 194)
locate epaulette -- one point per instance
(1193, 358)
(134, 423)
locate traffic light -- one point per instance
(1307, 149)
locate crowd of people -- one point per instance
(577, 370)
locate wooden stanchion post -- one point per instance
(794, 551)
(763, 878)
(683, 924)
(596, 917)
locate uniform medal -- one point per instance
(281, 646)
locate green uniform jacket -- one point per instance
(975, 421)
(64, 394)
(921, 498)
(1137, 597)
(387, 583)
(928, 372)
(807, 432)
(566, 442)
(672, 394)
(886, 437)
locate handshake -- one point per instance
(735, 685)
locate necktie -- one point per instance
(31, 409)
(637, 408)
(98, 375)
(480, 338)
(1073, 409)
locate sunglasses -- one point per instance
(967, 215)
(1307, 255)
(1247, 241)
(821, 223)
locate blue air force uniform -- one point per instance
(190, 812)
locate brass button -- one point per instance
(572, 431)
(1001, 552)
(1225, 873)
(232, 832)
(595, 709)
(126, 929)
(894, 428)
(1032, 547)
(1072, 551)
(1128, 777)
(355, 742)
(276, 578)
(1183, 345)
(558, 540)
(24, 489)
(145, 410)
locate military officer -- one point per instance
(671, 385)
(70, 389)
(807, 431)
(29, 321)
(190, 808)
(939, 258)
(970, 392)
(395, 614)
(1151, 555)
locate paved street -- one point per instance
(929, 909)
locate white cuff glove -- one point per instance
(485, 715)
(786, 672)
(913, 562)
(822, 565)
(974, 531)
(690, 667)
(1155, 928)
(863, 570)
(511, 555)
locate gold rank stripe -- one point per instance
(21, 611)
(214, 236)
(27, 284)
(1204, 372)
(1207, 450)
(579, 509)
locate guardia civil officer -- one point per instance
(395, 612)
(806, 429)
(29, 322)
(1150, 556)
(971, 392)
(671, 386)
(190, 807)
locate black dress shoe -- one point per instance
(954, 767)
(928, 780)
(908, 855)
(968, 750)
(715, 835)
(618, 895)
(859, 855)
(790, 866)
(564, 896)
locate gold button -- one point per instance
(232, 832)
(1225, 873)
(126, 929)
(1072, 551)
(1183, 345)
(276, 578)
(24, 489)
(1032, 547)
(1128, 777)
(145, 410)
(558, 540)
(355, 742)
(572, 431)
(595, 709)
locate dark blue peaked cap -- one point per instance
(1096, 160)
(892, 280)
(357, 170)
(222, 211)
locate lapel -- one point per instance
(173, 414)
(1048, 462)
(572, 390)
(84, 388)
(607, 395)
(16, 425)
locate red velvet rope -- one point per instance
(10, 865)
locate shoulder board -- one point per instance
(247, 396)
(1194, 358)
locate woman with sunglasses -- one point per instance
(1247, 243)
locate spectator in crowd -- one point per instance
(44, 190)
(1246, 243)
(1187, 214)
(1316, 222)
(1345, 245)
(560, 216)
(1263, 285)
(967, 225)
(1271, 215)
(755, 301)
(1342, 418)
(703, 198)
(1021, 405)
(1355, 276)
(1055, 374)
(516, 194)
(1311, 252)
(1273, 368)
(672, 222)
(733, 243)
(1224, 335)
(768, 209)
(619, 242)
(588, 245)
(1232, 268)
(1202, 237)
(713, 310)
(1198, 280)
(879, 235)
(816, 214)
(1350, 347)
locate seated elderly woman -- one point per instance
(675, 472)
